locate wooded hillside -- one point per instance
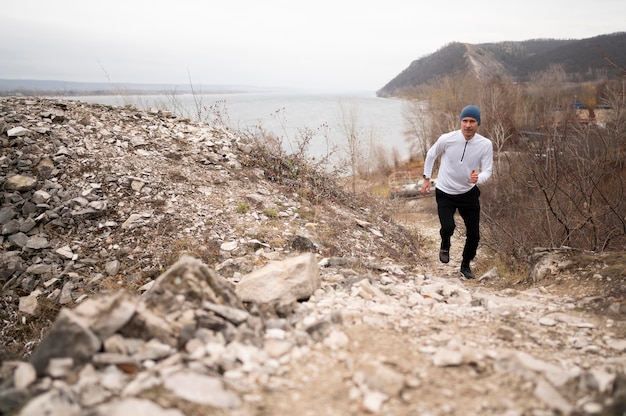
(582, 59)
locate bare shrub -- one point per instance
(353, 133)
(381, 162)
(563, 189)
(21, 334)
(418, 134)
(215, 114)
(312, 178)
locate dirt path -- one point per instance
(431, 344)
(379, 337)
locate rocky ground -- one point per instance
(178, 272)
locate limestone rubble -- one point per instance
(123, 237)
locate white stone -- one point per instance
(447, 358)
(40, 197)
(201, 389)
(617, 344)
(336, 340)
(373, 401)
(66, 252)
(59, 367)
(17, 131)
(52, 403)
(277, 348)
(229, 246)
(545, 321)
(24, 375)
(550, 396)
(286, 281)
(29, 305)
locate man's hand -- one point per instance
(425, 186)
(473, 176)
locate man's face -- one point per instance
(469, 126)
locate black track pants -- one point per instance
(469, 209)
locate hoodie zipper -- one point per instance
(465, 147)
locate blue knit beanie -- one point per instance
(471, 111)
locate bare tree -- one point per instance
(498, 101)
(348, 121)
(615, 100)
(499, 135)
(434, 109)
(621, 70)
(396, 158)
(418, 134)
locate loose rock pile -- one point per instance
(95, 196)
(99, 203)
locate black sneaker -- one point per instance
(466, 271)
(444, 256)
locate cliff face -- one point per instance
(513, 60)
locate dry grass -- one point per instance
(208, 252)
(176, 175)
(23, 333)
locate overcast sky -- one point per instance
(338, 45)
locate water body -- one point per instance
(288, 115)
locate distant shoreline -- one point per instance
(37, 92)
(78, 93)
(26, 88)
(45, 88)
